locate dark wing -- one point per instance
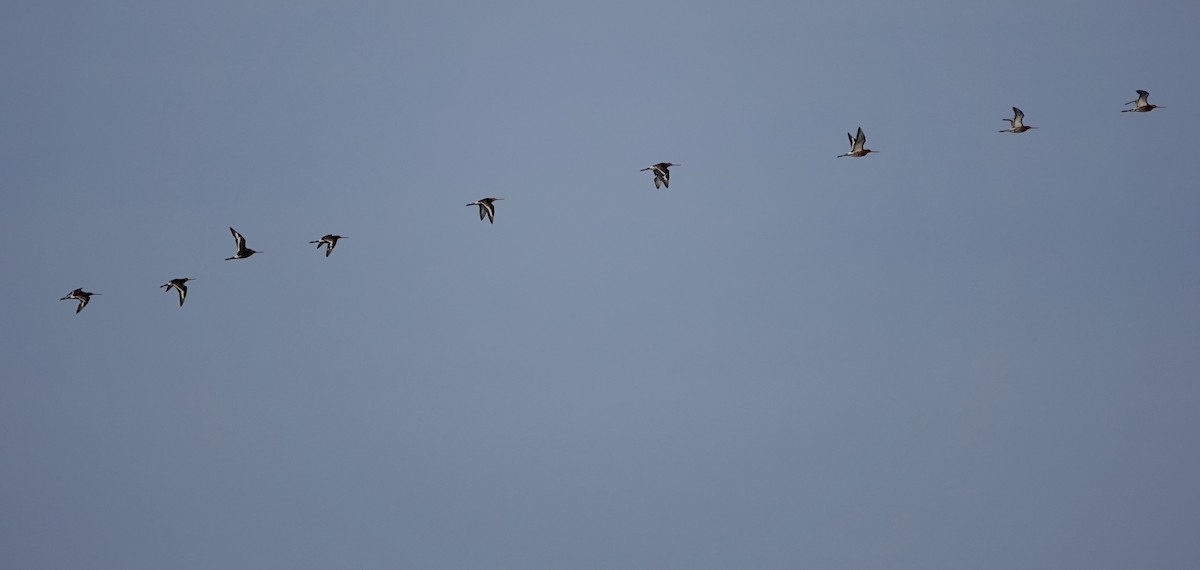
(238, 239)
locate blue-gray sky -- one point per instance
(972, 350)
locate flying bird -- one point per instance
(856, 145)
(1141, 105)
(242, 251)
(486, 208)
(178, 285)
(330, 242)
(79, 295)
(662, 174)
(1017, 123)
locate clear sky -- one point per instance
(971, 350)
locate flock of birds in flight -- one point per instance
(662, 179)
